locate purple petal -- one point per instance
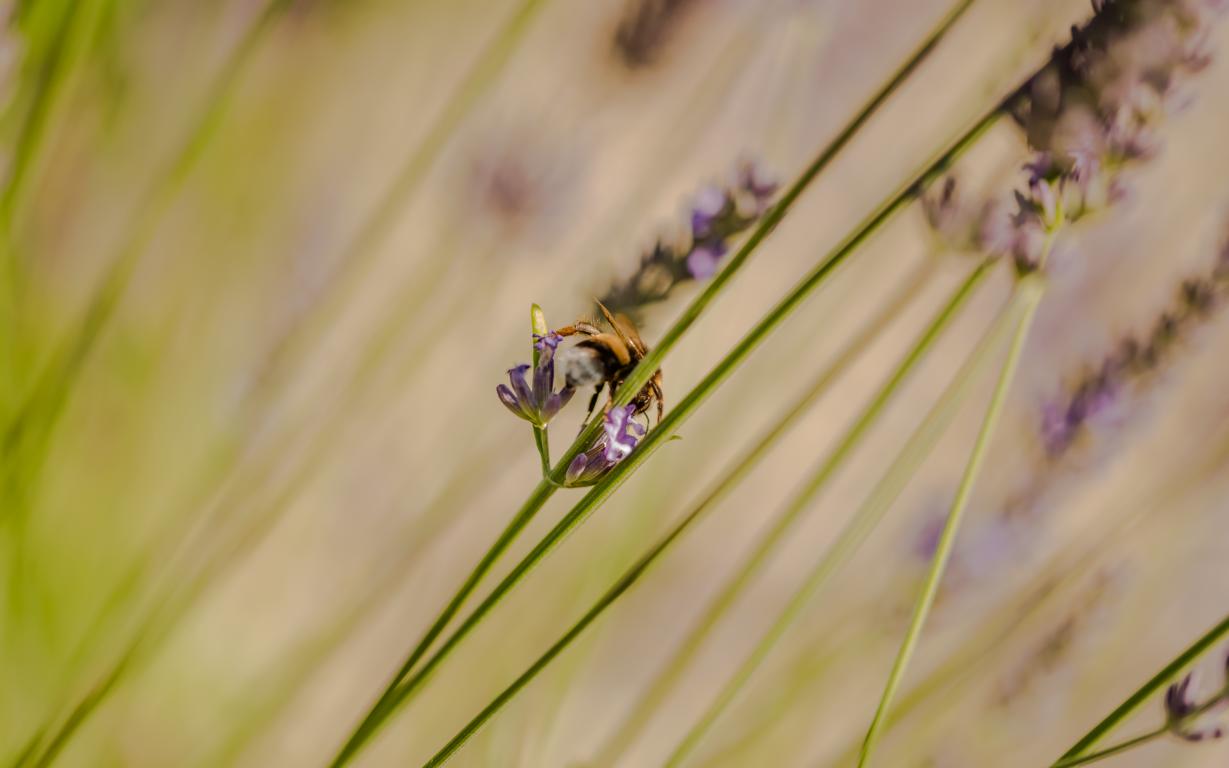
(702, 263)
(516, 376)
(543, 381)
(510, 402)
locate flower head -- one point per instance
(619, 437)
(535, 402)
(716, 215)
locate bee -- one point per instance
(605, 359)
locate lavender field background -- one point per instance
(266, 262)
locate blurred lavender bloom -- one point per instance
(1089, 114)
(1134, 359)
(620, 434)
(537, 403)
(702, 262)
(717, 215)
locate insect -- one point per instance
(606, 359)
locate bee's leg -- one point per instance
(583, 328)
(592, 404)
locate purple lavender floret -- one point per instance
(538, 402)
(620, 434)
(717, 215)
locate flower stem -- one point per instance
(1147, 691)
(644, 709)
(730, 476)
(1111, 751)
(859, 527)
(657, 436)
(1030, 289)
(542, 441)
(640, 375)
(738, 471)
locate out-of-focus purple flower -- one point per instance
(1134, 360)
(535, 402)
(620, 434)
(716, 216)
(702, 262)
(708, 205)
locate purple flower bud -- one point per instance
(703, 261)
(710, 202)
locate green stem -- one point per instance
(1111, 751)
(640, 375)
(1148, 690)
(542, 441)
(645, 708)
(730, 476)
(1030, 288)
(859, 527)
(663, 432)
(738, 471)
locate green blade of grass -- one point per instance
(641, 374)
(644, 708)
(1030, 290)
(619, 473)
(915, 451)
(1148, 690)
(853, 437)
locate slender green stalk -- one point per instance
(1093, 757)
(394, 695)
(647, 706)
(852, 437)
(733, 474)
(860, 525)
(1031, 289)
(542, 442)
(1147, 691)
(651, 362)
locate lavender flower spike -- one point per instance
(620, 435)
(539, 403)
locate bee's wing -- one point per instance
(623, 326)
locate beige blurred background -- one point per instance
(283, 452)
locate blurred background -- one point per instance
(266, 261)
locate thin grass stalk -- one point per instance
(1094, 757)
(906, 463)
(852, 438)
(663, 432)
(640, 376)
(736, 471)
(645, 708)
(1030, 288)
(1146, 692)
